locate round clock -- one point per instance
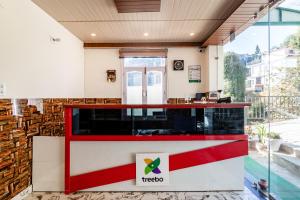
(178, 65)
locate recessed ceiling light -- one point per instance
(192, 34)
(93, 34)
(146, 34)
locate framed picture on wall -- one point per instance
(194, 74)
(111, 75)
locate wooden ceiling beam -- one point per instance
(244, 16)
(142, 44)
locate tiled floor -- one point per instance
(244, 195)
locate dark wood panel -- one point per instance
(144, 44)
(257, 1)
(134, 3)
(244, 16)
(136, 10)
(132, 6)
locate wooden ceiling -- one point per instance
(247, 14)
(134, 6)
(211, 21)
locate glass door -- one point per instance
(144, 81)
(155, 91)
(155, 86)
(134, 87)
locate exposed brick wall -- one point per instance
(15, 153)
(16, 134)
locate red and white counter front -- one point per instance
(194, 159)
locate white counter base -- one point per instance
(48, 164)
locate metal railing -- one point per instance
(277, 107)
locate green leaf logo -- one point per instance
(152, 166)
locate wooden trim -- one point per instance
(143, 53)
(142, 44)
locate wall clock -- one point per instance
(178, 65)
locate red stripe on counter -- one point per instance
(208, 155)
(103, 177)
(176, 162)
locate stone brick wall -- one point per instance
(15, 153)
(16, 134)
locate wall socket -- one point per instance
(2, 89)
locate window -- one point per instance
(134, 79)
(259, 88)
(248, 71)
(258, 80)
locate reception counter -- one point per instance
(170, 147)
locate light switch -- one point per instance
(2, 89)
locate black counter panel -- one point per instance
(158, 121)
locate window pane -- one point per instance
(154, 87)
(144, 62)
(134, 87)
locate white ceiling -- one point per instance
(176, 20)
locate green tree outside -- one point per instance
(290, 84)
(293, 41)
(235, 76)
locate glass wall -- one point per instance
(265, 60)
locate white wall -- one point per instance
(97, 61)
(30, 65)
(215, 68)
(178, 83)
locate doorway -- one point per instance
(144, 81)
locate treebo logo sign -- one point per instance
(152, 166)
(152, 169)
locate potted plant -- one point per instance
(262, 135)
(275, 141)
(252, 141)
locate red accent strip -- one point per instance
(68, 133)
(124, 106)
(208, 155)
(177, 161)
(103, 177)
(156, 137)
